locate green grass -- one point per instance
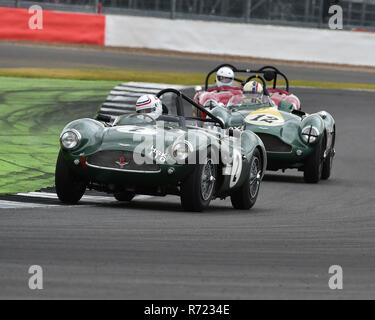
(157, 77)
(110, 75)
(32, 115)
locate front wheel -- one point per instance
(69, 188)
(199, 188)
(314, 164)
(244, 198)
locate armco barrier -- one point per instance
(57, 27)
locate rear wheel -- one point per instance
(245, 197)
(124, 196)
(199, 188)
(314, 164)
(69, 188)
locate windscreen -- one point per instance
(252, 100)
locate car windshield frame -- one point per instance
(268, 103)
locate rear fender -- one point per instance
(249, 142)
(330, 126)
(328, 120)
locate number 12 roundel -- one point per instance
(268, 117)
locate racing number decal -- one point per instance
(264, 117)
(236, 168)
(136, 129)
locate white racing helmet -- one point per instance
(150, 105)
(224, 77)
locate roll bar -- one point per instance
(180, 108)
(269, 73)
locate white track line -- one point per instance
(119, 106)
(126, 93)
(13, 204)
(112, 98)
(6, 204)
(134, 90)
(151, 85)
(47, 195)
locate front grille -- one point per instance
(120, 160)
(273, 143)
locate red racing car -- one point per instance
(225, 90)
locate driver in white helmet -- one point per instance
(224, 77)
(253, 92)
(150, 105)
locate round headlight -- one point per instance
(70, 139)
(181, 150)
(310, 134)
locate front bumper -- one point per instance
(166, 175)
(294, 154)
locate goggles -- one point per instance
(148, 110)
(224, 79)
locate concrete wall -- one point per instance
(235, 39)
(273, 42)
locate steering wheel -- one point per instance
(257, 99)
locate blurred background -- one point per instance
(309, 13)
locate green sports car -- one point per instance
(137, 155)
(293, 138)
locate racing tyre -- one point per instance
(327, 165)
(69, 188)
(199, 188)
(124, 196)
(245, 197)
(314, 164)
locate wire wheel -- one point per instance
(245, 196)
(208, 180)
(255, 177)
(199, 187)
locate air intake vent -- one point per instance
(273, 143)
(119, 160)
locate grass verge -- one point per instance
(157, 77)
(32, 115)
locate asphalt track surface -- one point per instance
(36, 56)
(151, 249)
